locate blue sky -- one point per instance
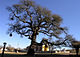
(69, 10)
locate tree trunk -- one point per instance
(77, 51)
(32, 46)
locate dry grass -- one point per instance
(13, 54)
(40, 53)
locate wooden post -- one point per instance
(3, 49)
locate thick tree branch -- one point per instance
(59, 43)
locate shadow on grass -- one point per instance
(56, 55)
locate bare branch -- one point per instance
(20, 18)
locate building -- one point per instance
(42, 46)
(45, 48)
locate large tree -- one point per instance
(29, 19)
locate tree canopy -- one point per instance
(29, 19)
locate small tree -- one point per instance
(29, 19)
(76, 45)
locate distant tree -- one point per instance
(73, 43)
(29, 19)
(76, 45)
(10, 48)
(1, 46)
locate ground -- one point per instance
(13, 54)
